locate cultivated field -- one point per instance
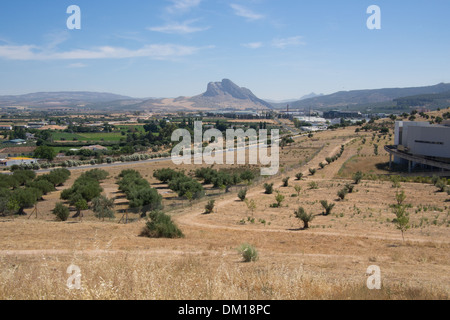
(327, 261)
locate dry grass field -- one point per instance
(327, 261)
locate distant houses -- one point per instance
(17, 161)
(16, 142)
(94, 148)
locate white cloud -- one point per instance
(181, 6)
(246, 13)
(282, 43)
(154, 51)
(77, 65)
(178, 28)
(253, 45)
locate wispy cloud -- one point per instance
(77, 65)
(246, 13)
(154, 51)
(182, 6)
(179, 28)
(283, 43)
(253, 45)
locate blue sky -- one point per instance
(280, 49)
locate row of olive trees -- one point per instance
(23, 189)
(141, 196)
(84, 191)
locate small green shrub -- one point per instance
(160, 225)
(313, 185)
(268, 188)
(327, 206)
(312, 171)
(357, 177)
(342, 193)
(286, 182)
(242, 194)
(299, 176)
(304, 217)
(61, 212)
(210, 206)
(248, 252)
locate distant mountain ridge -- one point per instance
(227, 96)
(364, 97)
(59, 98)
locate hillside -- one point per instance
(365, 97)
(51, 99)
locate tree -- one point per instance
(342, 193)
(210, 206)
(299, 176)
(61, 211)
(242, 194)
(251, 205)
(357, 177)
(80, 205)
(160, 225)
(298, 189)
(268, 188)
(25, 198)
(279, 198)
(312, 171)
(286, 182)
(303, 216)
(327, 206)
(45, 152)
(402, 219)
(103, 207)
(145, 199)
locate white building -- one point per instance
(423, 138)
(421, 143)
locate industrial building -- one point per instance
(421, 143)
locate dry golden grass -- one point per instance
(328, 261)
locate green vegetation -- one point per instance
(342, 193)
(61, 212)
(268, 188)
(103, 207)
(141, 196)
(304, 217)
(160, 225)
(402, 216)
(327, 206)
(248, 253)
(242, 194)
(209, 207)
(23, 189)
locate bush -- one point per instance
(299, 176)
(286, 182)
(313, 185)
(248, 252)
(268, 188)
(327, 206)
(210, 206)
(357, 177)
(312, 171)
(342, 193)
(441, 184)
(61, 212)
(349, 187)
(303, 216)
(322, 165)
(242, 194)
(161, 225)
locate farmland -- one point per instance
(327, 261)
